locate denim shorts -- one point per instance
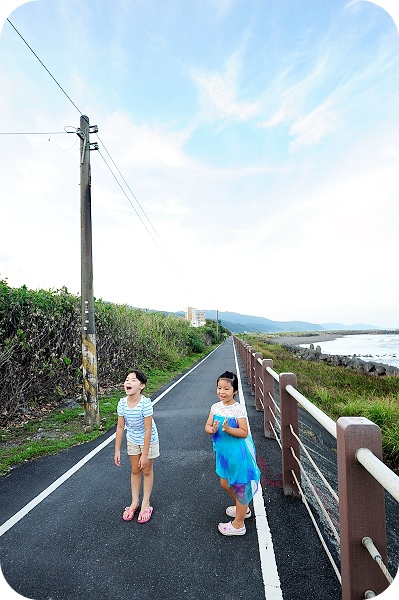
(136, 449)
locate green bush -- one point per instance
(41, 345)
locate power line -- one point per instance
(33, 132)
(52, 134)
(131, 191)
(139, 216)
(44, 66)
(116, 167)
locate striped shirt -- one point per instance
(134, 419)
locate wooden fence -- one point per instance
(362, 476)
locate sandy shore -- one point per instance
(295, 340)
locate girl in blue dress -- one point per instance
(234, 452)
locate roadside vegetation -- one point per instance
(60, 428)
(341, 392)
(41, 408)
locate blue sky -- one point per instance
(259, 136)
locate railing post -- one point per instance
(257, 379)
(240, 346)
(289, 416)
(241, 349)
(252, 371)
(268, 389)
(361, 509)
(248, 363)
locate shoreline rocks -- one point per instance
(350, 362)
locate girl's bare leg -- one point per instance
(135, 480)
(225, 485)
(148, 474)
(241, 509)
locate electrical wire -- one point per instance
(52, 134)
(32, 132)
(139, 216)
(141, 208)
(44, 66)
(113, 174)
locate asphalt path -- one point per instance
(74, 545)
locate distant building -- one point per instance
(196, 317)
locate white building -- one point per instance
(196, 317)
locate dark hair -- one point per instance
(139, 374)
(229, 376)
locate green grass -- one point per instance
(60, 430)
(342, 392)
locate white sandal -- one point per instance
(231, 512)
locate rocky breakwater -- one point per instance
(350, 362)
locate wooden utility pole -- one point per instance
(89, 353)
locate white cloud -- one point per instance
(292, 97)
(146, 145)
(173, 206)
(222, 8)
(219, 92)
(315, 126)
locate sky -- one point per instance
(248, 153)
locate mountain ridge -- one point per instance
(239, 323)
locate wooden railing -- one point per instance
(362, 476)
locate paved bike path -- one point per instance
(75, 545)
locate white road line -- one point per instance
(51, 488)
(26, 509)
(271, 579)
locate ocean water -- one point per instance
(381, 348)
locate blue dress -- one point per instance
(235, 457)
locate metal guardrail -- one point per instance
(362, 475)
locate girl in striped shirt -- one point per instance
(135, 415)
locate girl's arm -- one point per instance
(143, 462)
(211, 426)
(118, 440)
(241, 431)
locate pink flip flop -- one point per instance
(145, 515)
(129, 513)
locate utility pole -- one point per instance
(89, 352)
(217, 326)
